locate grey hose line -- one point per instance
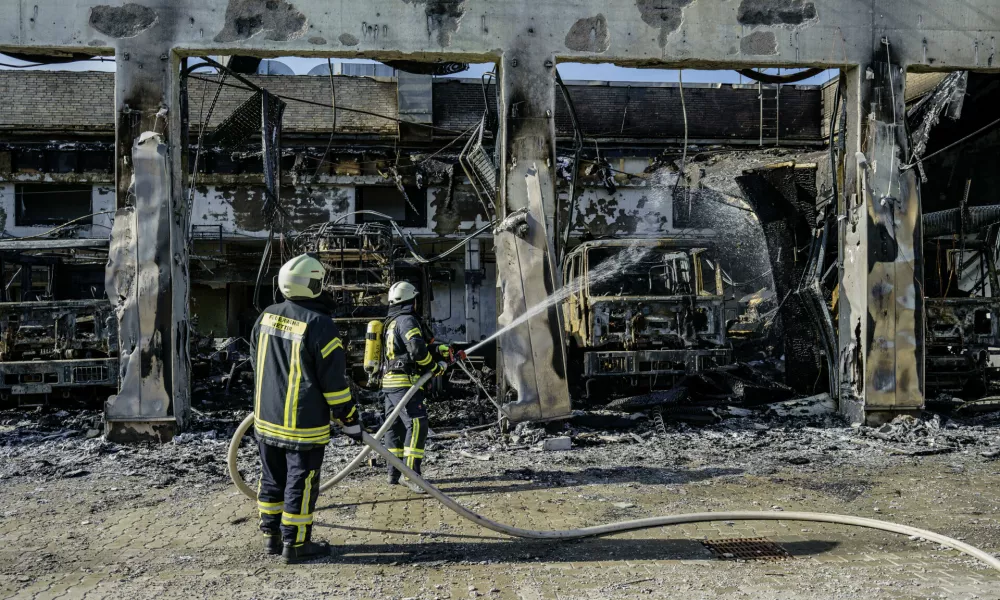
(234, 445)
(650, 522)
(375, 444)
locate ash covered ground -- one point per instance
(164, 521)
(42, 445)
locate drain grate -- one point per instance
(746, 549)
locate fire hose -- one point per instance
(374, 443)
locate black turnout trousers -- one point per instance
(407, 436)
(289, 487)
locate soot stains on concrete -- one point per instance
(443, 17)
(589, 35)
(775, 12)
(665, 14)
(277, 19)
(759, 43)
(125, 21)
(348, 39)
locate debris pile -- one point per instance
(44, 445)
(702, 398)
(908, 435)
(221, 372)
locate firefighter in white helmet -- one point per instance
(300, 387)
(409, 352)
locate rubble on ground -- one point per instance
(43, 444)
(221, 372)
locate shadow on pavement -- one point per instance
(523, 551)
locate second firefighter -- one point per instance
(409, 353)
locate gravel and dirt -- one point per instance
(84, 517)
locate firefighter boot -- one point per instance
(296, 553)
(272, 543)
(416, 489)
(393, 478)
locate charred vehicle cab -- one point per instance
(643, 313)
(963, 318)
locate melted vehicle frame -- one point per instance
(647, 320)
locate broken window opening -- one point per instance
(51, 204)
(390, 201)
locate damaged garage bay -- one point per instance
(734, 267)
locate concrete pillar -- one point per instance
(853, 222)
(881, 299)
(533, 356)
(147, 280)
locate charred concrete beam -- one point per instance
(146, 278)
(139, 284)
(532, 354)
(894, 377)
(940, 35)
(881, 300)
(852, 306)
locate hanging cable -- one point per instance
(406, 238)
(324, 105)
(779, 79)
(333, 111)
(66, 224)
(32, 65)
(577, 149)
(683, 175)
(202, 128)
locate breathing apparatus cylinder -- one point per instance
(373, 351)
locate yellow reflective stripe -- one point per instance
(397, 452)
(270, 508)
(415, 453)
(403, 378)
(334, 398)
(292, 394)
(284, 324)
(397, 381)
(414, 438)
(412, 333)
(425, 360)
(289, 519)
(293, 434)
(390, 341)
(309, 430)
(354, 409)
(261, 355)
(333, 345)
(316, 438)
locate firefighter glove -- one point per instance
(354, 432)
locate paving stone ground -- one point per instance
(104, 536)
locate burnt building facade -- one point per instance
(631, 179)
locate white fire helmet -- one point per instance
(400, 292)
(301, 277)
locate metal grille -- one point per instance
(238, 130)
(480, 169)
(89, 374)
(746, 549)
